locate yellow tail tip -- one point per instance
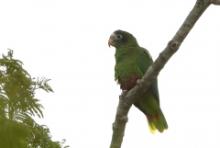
(152, 128)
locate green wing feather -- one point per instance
(149, 104)
(144, 62)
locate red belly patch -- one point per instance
(129, 83)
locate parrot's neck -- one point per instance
(126, 50)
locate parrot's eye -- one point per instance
(119, 36)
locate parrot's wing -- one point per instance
(144, 61)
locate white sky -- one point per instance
(66, 41)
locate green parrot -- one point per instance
(132, 61)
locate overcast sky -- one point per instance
(66, 41)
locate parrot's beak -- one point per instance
(111, 40)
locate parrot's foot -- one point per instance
(124, 91)
(139, 81)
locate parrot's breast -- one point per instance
(127, 69)
(127, 75)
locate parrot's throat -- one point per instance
(121, 53)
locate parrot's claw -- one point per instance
(124, 91)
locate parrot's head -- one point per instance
(121, 38)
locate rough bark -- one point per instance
(216, 2)
(128, 98)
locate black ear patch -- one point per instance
(122, 35)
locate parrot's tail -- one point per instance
(157, 122)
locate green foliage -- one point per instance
(13, 134)
(40, 136)
(18, 105)
(17, 89)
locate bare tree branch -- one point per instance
(216, 2)
(128, 98)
